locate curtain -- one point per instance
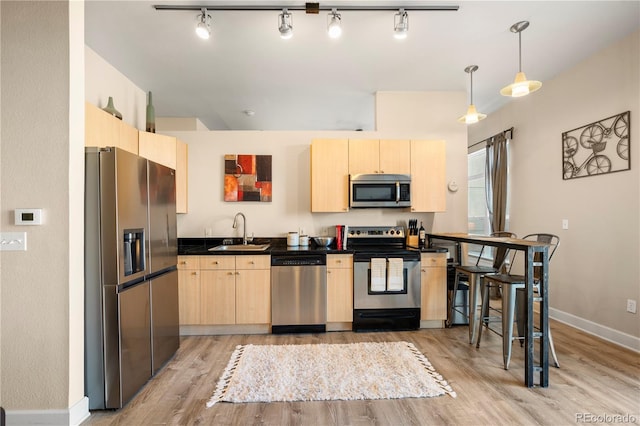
(496, 181)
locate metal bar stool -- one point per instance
(512, 288)
(473, 275)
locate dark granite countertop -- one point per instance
(201, 246)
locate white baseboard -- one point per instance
(71, 416)
(614, 336)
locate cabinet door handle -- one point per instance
(237, 273)
(229, 273)
(338, 261)
(423, 270)
(194, 273)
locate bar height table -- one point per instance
(529, 248)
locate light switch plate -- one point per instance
(13, 241)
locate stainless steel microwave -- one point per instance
(379, 190)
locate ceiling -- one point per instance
(312, 82)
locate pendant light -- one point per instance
(400, 25)
(203, 24)
(285, 24)
(521, 86)
(334, 28)
(472, 115)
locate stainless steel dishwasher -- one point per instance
(298, 293)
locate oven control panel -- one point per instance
(376, 232)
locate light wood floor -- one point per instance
(596, 378)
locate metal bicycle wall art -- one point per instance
(597, 148)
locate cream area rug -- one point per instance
(323, 372)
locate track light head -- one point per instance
(203, 24)
(285, 24)
(400, 24)
(334, 28)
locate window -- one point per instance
(478, 215)
(477, 209)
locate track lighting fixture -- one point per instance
(521, 86)
(400, 24)
(285, 24)
(285, 19)
(203, 25)
(472, 115)
(334, 28)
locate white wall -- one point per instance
(290, 208)
(103, 80)
(42, 128)
(596, 268)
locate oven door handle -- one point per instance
(397, 192)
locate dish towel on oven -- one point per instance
(378, 274)
(396, 277)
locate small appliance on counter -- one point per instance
(293, 239)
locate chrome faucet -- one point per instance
(244, 226)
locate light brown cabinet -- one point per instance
(379, 156)
(231, 290)
(329, 175)
(433, 286)
(339, 288)
(332, 160)
(158, 148)
(103, 129)
(189, 289)
(428, 175)
(170, 152)
(182, 177)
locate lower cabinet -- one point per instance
(339, 288)
(189, 289)
(433, 290)
(225, 290)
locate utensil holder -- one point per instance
(412, 240)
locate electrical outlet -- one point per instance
(565, 223)
(631, 306)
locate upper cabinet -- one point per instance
(329, 175)
(173, 153)
(103, 129)
(158, 148)
(333, 160)
(182, 178)
(428, 175)
(379, 156)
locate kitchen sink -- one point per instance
(240, 247)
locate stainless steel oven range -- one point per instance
(386, 279)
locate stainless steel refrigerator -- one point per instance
(131, 281)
